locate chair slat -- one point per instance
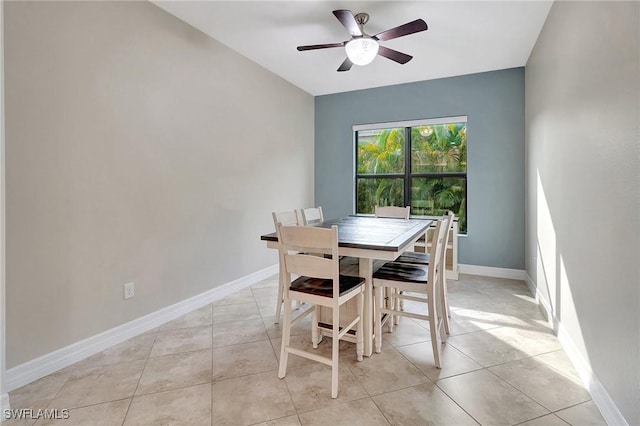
(392, 212)
(315, 266)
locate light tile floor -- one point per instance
(218, 366)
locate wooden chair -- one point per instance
(319, 284)
(416, 258)
(286, 218)
(415, 279)
(311, 216)
(393, 212)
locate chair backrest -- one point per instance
(311, 216)
(299, 245)
(393, 212)
(436, 253)
(286, 218)
(448, 220)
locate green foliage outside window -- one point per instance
(437, 176)
(381, 151)
(379, 192)
(439, 148)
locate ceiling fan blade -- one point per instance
(319, 46)
(348, 21)
(346, 65)
(403, 30)
(394, 55)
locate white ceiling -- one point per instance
(464, 37)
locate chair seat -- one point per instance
(394, 271)
(414, 257)
(324, 287)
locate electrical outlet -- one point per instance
(129, 290)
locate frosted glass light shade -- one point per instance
(361, 51)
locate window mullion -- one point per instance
(407, 166)
(381, 175)
(439, 175)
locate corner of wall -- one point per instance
(543, 303)
(4, 404)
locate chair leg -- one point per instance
(279, 300)
(442, 321)
(393, 305)
(335, 352)
(359, 328)
(316, 337)
(445, 303)
(400, 307)
(286, 336)
(378, 300)
(442, 324)
(433, 329)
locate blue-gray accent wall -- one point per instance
(494, 104)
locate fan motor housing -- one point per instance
(362, 18)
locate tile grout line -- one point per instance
(284, 379)
(84, 369)
(155, 338)
(57, 392)
(571, 406)
(501, 363)
(518, 390)
(539, 417)
(381, 410)
(435, 382)
(487, 368)
(100, 402)
(456, 402)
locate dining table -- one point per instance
(369, 239)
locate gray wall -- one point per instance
(583, 186)
(138, 149)
(494, 104)
(4, 397)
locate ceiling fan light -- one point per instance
(362, 50)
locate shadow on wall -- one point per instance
(570, 313)
(550, 270)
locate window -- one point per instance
(422, 164)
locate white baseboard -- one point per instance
(490, 271)
(42, 366)
(599, 394)
(543, 304)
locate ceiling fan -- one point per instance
(363, 48)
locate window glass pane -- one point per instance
(435, 196)
(380, 151)
(378, 192)
(439, 148)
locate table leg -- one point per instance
(366, 272)
(281, 285)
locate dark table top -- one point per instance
(372, 233)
